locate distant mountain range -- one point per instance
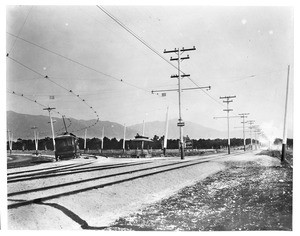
(21, 124)
(191, 129)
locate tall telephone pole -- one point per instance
(284, 138)
(10, 140)
(257, 132)
(251, 126)
(102, 139)
(49, 109)
(85, 131)
(180, 122)
(179, 58)
(124, 138)
(244, 115)
(36, 141)
(63, 117)
(166, 132)
(227, 100)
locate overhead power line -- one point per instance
(12, 47)
(27, 67)
(68, 90)
(42, 105)
(134, 34)
(76, 62)
(152, 49)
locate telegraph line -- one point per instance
(76, 62)
(155, 51)
(47, 77)
(20, 31)
(42, 105)
(68, 90)
(60, 55)
(134, 34)
(148, 46)
(83, 100)
(100, 72)
(20, 63)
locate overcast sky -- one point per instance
(242, 51)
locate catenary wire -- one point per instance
(151, 48)
(12, 47)
(68, 90)
(79, 63)
(42, 105)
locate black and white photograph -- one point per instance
(156, 117)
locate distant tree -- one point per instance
(277, 141)
(290, 142)
(114, 144)
(161, 140)
(156, 144)
(248, 141)
(45, 144)
(19, 144)
(81, 143)
(106, 143)
(94, 143)
(173, 143)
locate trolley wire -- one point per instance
(78, 63)
(151, 48)
(16, 38)
(68, 90)
(42, 105)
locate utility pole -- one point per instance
(124, 138)
(244, 115)
(35, 138)
(179, 58)
(63, 117)
(227, 100)
(85, 139)
(251, 122)
(257, 132)
(255, 138)
(143, 134)
(102, 139)
(10, 140)
(284, 139)
(166, 132)
(49, 109)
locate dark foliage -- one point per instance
(95, 143)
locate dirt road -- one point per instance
(119, 207)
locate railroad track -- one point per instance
(68, 171)
(51, 191)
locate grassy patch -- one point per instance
(277, 154)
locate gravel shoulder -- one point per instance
(253, 193)
(244, 192)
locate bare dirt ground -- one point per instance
(245, 192)
(252, 194)
(22, 160)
